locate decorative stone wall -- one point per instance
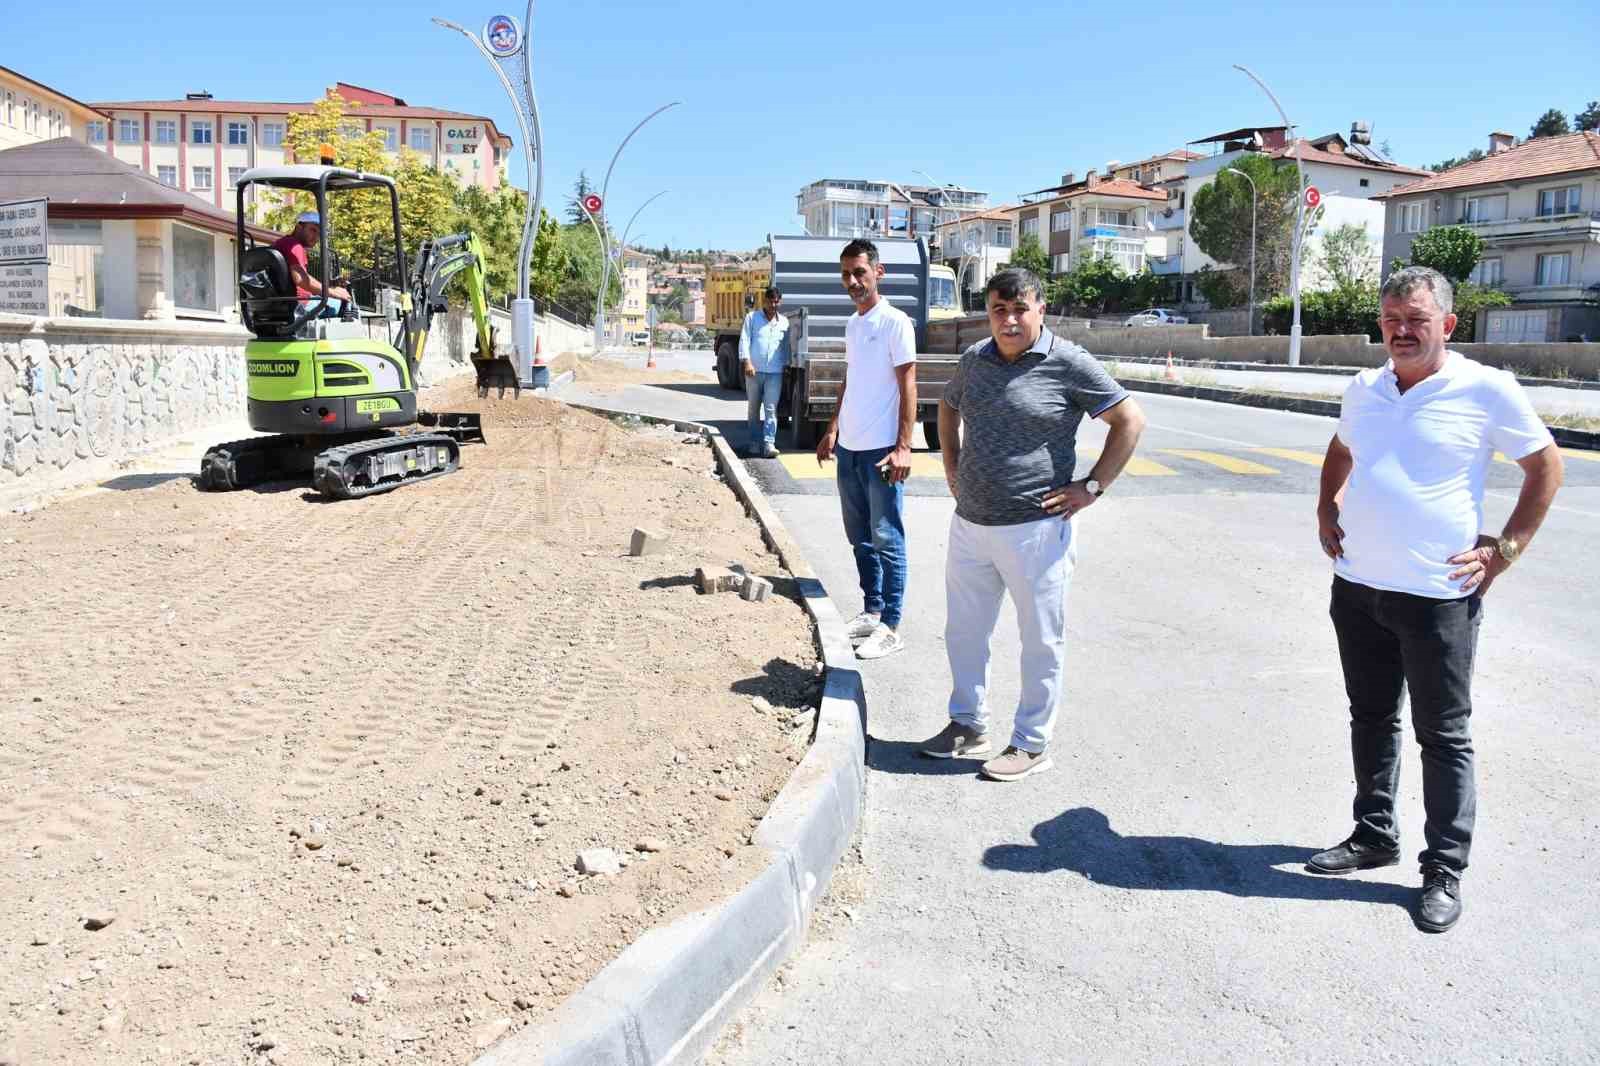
(77, 391)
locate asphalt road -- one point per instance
(1145, 901)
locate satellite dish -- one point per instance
(969, 247)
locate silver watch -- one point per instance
(1094, 487)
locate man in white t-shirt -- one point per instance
(870, 435)
(1401, 515)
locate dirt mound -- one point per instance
(306, 782)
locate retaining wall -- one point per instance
(1195, 342)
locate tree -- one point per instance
(1143, 290)
(581, 279)
(497, 220)
(1455, 161)
(1348, 257)
(1223, 288)
(1030, 256)
(1451, 250)
(359, 224)
(1092, 287)
(1220, 216)
(1471, 301)
(580, 189)
(1588, 118)
(1552, 123)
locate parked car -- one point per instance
(1156, 316)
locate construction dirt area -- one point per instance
(291, 781)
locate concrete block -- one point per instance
(709, 579)
(755, 589)
(648, 542)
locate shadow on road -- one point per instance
(697, 388)
(905, 757)
(1082, 840)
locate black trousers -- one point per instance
(1390, 643)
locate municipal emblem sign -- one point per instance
(503, 36)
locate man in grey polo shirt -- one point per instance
(1008, 422)
(1401, 515)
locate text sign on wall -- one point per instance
(25, 257)
(24, 232)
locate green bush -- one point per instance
(1349, 310)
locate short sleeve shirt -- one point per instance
(874, 344)
(1415, 494)
(294, 252)
(1019, 425)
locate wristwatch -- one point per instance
(1508, 548)
(1094, 488)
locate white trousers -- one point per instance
(1033, 561)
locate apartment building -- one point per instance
(202, 145)
(977, 246)
(1093, 218)
(636, 267)
(31, 112)
(856, 207)
(1537, 208)
(1348, 171)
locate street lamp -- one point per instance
(1253, 206)
(509, 51)
(1299, 217)
(605, 188)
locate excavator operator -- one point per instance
(307, 233)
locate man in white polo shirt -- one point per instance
(1401, 515)
(870, 435)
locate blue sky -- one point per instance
(1001, 97)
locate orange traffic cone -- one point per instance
(538, 350)
(650, 359)
(1172, 375)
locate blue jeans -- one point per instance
(875, 529)
(334, 308)
(762, 414)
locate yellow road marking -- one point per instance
(804, 466)
(1500, 457)
(1294, 456)
(1579, 453)
(1225, 462)
(1137, 467)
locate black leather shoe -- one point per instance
(1439, 906)
(1352, 855)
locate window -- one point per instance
(1002, 235)
(1411, 218)
(130, 130)
(1558, 201)
(201, 179)
(391, 139)
(1553, 269)
(38, 118)
(1487, 273)
(899, 221)
(167, 175)
(194, 272)
(422, 138)
(1030, 226)
(1061, 221)
(272, 135)
(1109, 217)
(238, 133)
(166, 131)
(1365, 183)
(11, 110)
(96, 133)
(234, 174)
(1484, 209)
(200, 132)
(1061, 262)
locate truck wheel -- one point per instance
(728, 375)
(802, 431)
(930, 433)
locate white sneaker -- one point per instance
(883, 641)
(861, 626)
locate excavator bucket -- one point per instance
(465, 427)
(496, 373)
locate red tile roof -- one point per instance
(1536, 159)
(1310, 153)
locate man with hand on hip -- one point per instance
(1008, 423)
(870, 435)
(1400, 514)
(764, 352)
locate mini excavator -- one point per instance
(330, 395)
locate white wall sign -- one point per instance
(25, 257)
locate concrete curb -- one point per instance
(665, 999)
(1306, 405)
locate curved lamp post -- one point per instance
(605, 250)
(1253, 207)
(507, 48)
(1299, 217)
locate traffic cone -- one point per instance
(1172, 375)
(538, 350)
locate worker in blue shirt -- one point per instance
(764, 351)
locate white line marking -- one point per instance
(1553, 506)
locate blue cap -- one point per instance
(311, 217)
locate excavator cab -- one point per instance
(331, 393)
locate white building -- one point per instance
(978, 246)
(859, 207)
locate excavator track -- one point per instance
(239, 464)
(368, 467)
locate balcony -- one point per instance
(1539, 229)
(1161, 265)
(1548, 294)
(1165, 221)
(1109, 229)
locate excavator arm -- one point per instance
(440, 260)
